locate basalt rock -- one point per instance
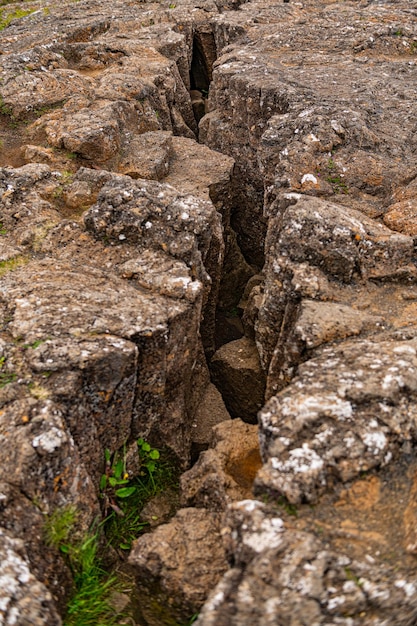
(184, 559)
(109, 334)
(237, 372)
(225, 472)
(284, 576)
(109, 287)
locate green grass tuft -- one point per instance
(90, 603)
(59, 525)
(12, 264)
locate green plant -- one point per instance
(12, 264)
(338, 184)
(351, 576)
(4, 108)
(191, 621)
(3, 231)
(5, 377)
(288, 507)
(89, 604)
(58, 526)
(35, 344)
(124, 498)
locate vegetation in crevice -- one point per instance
(12, 264)
(90, 602)
(6, 377)
(124, 497)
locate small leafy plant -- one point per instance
(124, 497)
(114, 480)
(338, 184)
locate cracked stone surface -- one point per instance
(113, 291)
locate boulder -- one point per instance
(285, 576)
(179, 563)
(226, 471)
(236, 371)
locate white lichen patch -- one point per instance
(265, 536)
(50, 440)
(310, 407)
(300, 461)
(309, 178)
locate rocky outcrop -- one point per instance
(225, 472)
(282, 576)
(97, 316)
(125, 247)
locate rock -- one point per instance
(82, 132)
(196, 169)
(314, 250)
(67, 336)
(23, 599)
(104, 317)
(225, 472)
(184, 559)
(147, 156)
(401, 217)
(160, 509)
(286, 576)
(347, 411)
(210, 412)
(236, 372)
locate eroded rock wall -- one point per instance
(115, 233)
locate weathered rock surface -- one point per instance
(99, 321)
(237, 373)
(210, 412)
(226, 471)
(184, 558)
(283, 576)
(23, 599)
(109, 286)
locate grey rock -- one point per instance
(347, 411)
(283, 576)
(210, 412)
(23, 599)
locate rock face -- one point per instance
(125, 247)
(225, 472)
(185, 558)
(291, 577)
